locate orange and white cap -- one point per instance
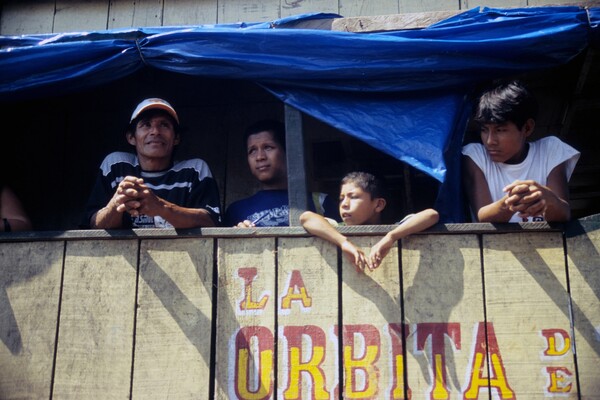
(154, 103)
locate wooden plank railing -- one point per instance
(456, 312)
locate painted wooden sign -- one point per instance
(445, 316)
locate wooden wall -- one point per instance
(455, 313)
(47, 16)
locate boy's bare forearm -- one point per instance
(316, 225)
(495, 212)
(417, 223)
(557, 209)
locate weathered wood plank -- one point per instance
(467, 4)
(128, 13)
(355, 8)
(421, 14)
(95, 340)
(19, 18)
(528, 316)
(443, 305)
(72, 16)
(30, 275)
(190, 12)
(413, 6)
(584, 3)
(247, 11)
(584, 279)
(293, 7)
(173, 329)
(373, 357)
(307, 319)
(245, 364)
(390, 22)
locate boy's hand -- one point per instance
(528, 198)
(380, 250)
(245, 224)
(355, 255)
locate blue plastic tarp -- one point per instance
(404, 92)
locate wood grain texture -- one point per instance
(173, 329)
(413, 6)
(390, 22)
(371, 358)
(355, 8)
(129, 14)
(247, 11)
(523, 341)
(443, 303)
(584, 278)
(467, 4)
(30, 278)
(307, 318)
(245, 318)
(95, 340)
(71, 16)
(17, 18)
(190, 12)
(526, 297)
(293, 7)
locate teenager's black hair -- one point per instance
(276, 128)
(506, 102)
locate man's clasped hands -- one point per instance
(135, 197)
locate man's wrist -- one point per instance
(111, 207)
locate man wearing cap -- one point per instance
(149, 189)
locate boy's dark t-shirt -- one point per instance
(267, 208)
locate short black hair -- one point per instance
(368, 182)
(507, 101)
(276, 128)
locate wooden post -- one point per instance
(295, 164)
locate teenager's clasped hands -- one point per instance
(528, 198)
